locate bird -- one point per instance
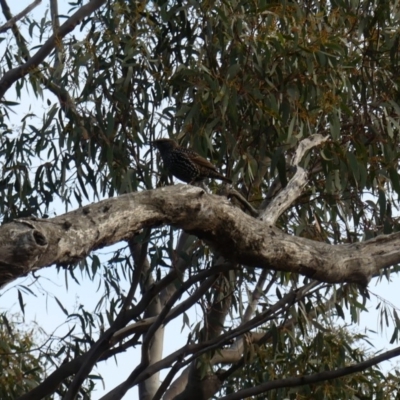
(185, 164)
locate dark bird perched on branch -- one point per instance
(186, 164)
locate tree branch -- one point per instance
(58, 62)
(68, 26)
(31, 244)
(81, 365)
(255, 296)
(9, 24)
(120, 390)
(309, 379)
(296, 185)
(143, 325)
(195, 350)
(281, 306)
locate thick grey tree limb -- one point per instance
(28, 245)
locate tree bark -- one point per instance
(31, 244)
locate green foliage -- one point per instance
(322, 351)
(21, 369)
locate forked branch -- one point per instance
(295, 187)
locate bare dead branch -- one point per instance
(296, 185)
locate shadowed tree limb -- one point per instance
(309, 379)
(133, 379)
(81, 366)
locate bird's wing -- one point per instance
(202, 162)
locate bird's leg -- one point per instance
(203, 186)
(200, 184)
